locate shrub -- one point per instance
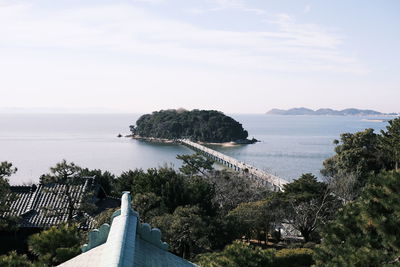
(237, 255)
(13, 259)
(55, 245)
(296, 257)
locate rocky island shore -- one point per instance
(204, 126)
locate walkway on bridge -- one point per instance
(263, 177)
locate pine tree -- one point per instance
(13, 259)
(307, 204)
(366, 231)
(391, 142)
(69, 175)
(6, 170)
(56, 245)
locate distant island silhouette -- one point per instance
(327, 111)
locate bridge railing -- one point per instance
(273, 180)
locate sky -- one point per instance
(236, 56)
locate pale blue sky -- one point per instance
(231, 55)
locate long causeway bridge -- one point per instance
(262, 177)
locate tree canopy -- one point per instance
(68, 175)
(197, 125)
(6, 170)
(359, 155)
(239, 254)
(13, 259)
(391, 142)
(307, 204)
(366, 231)
(56, 245)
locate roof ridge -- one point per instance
(144, 230)
(34, 197)
(152, 235)
(97, 237)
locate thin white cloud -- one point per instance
(131, 30)
(150, 1)
(236, 4)
(220, 5)
(307, 9)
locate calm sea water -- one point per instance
(290, 145)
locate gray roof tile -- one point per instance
(31, 202)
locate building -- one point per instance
(44, 205)
(38, 207)
(126, 243)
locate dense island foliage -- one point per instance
(197, 125)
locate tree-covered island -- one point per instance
(198, 125)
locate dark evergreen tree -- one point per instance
(69, 176)
(172, 188)
(56, 245)
(391, 142)
(6, 170)
(366, 231)
(357, 156)
(197, 125)
(195, 164)
(13, 259)
(307, 204)
(104, 179)
(185, 230)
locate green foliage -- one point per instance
(360, 155)
(357, 156)
(233, 188)
(13, 259)
(296, 257)
(240, 254)
(356, 153)
(104, 217)
(173, 189)
(6, 169)
(237, 255)
(222, 230)
(391, 142)
(104, 179)
(55, 245)
(169, 199)
(195, 164)
(198, 125)
(254, 219)
(185, 230)
(63, 173)
(307, 204)
(68, 175)
(365, 232)
(148, 205)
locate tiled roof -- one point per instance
(40, 206)
(126, 243)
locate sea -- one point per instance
(289, 145)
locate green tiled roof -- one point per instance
(126, 243)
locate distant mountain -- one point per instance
(326, 111)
